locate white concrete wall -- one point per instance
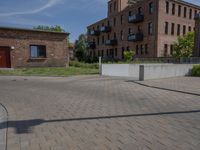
(146, 71)
(165, 71)
(118, 70)
(121, 70)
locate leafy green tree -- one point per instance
(129, 55)
(184, 46)
(55, 28)
(81, 48)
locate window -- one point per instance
(185, 12)
(165, 50)
(130, 13)
(151, 8)
(115, 36)
(195, 13)
(98, 41)
(173, 9)
(139, 29)
(122, 35)
(150, 28)
(190, 16)
(114, 21)
(184, 29)
(108, 23)
(166, 27)
(189, 28)
(102, 53)
(122, 18)
(38, 51)
(110, 8)
(172, 29)
(140, 10)
(115, 6)
(141, 49)
(98, 53)
(146, 49)
(179, 10)
(122, 52)
(102, 39)
(171, 49)
(167, 7)
(137, 49)
(129, 30)
(115, 51)
(108, 36)
(178, 29)
(128, 48)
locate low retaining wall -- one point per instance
(164, 71)
(121, 70)
(146, 71)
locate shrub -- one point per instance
(196, 71)
(129, 55)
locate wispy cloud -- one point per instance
(49, 4)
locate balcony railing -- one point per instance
(91, 45)
(136, 37)
(136, 18)
(94, 33)
(112, 42)
(106, 29)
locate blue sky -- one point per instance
(72, 15)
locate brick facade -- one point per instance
(197, 37)
(19, 41)
(151, 32)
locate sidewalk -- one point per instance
(3, 128)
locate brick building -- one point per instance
(150, 27)
(197, 36)
(32, 48)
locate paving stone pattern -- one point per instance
(93, 113)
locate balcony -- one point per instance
(136, 18)
(106, 29)
(112, 42)
(91, 45)
(94, 33)
(136, 37)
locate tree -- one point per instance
(129, 55)
(55, 28)
(81, 48)
(184, 46)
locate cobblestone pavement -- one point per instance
(92, 113)
(3, 127)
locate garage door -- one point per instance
(5, 57)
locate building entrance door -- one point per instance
(5, 57)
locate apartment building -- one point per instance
(197, 36)
(149, 27)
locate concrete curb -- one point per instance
(3, 127)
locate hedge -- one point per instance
(196, 71)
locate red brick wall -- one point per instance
(56, 47)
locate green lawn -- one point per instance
(70, 71)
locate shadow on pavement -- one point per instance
(26, 126)
(166, 89)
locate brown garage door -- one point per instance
(5, 57)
